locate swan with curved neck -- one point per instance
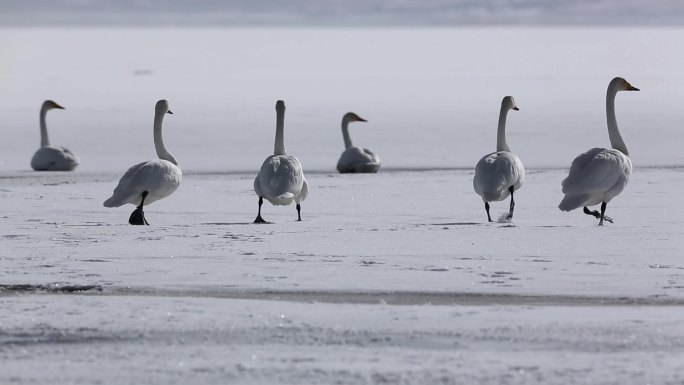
(500, 173)
(600, 174)
(50, 158)
(355, 159)
(149, 181)
(281, 179)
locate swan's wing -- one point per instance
(133, 183)
(596, 171)
(280, 177)
(355, 159)
(371, 155)
(496, 172)
(304, 193)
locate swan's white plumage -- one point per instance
(355, 159)
(358, 160)
(52, 158)
(496, 172)
(281, 178)
(596, 176)
(600, 174)
(159, 177)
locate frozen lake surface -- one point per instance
(390, 278)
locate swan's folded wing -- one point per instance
(496, 172)
(597, 170)
(126, 188)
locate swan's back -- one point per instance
(50, 158)
(355, 159)
(495, 173)
(595, 176)
(160, 178)
(281, 180)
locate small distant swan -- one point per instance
(355, 159)
(149, 181)
(499, 174)
(49, 158)
(600, 174)
(281, 179)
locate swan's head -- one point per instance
(162, 107)
(49, 105)
(620, 84)
(508, 103)
(280, 106)
(352, 117)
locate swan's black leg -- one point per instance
(600, 216)
(510, 212)
(299, 212)
(138, 216)
(259, 219)
(489, 218)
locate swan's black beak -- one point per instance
(632, 88)
(59, 107)
(169, 112)
(516, 108)
(362, 119)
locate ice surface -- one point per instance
(390, 278)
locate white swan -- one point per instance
(149, 181)
(499, 174)
(355, 159)
(49, 158)
(281, 179)
(600, 174)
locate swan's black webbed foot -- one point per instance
(299, 212)
(597, 215)
(138, 215)
(259, 219)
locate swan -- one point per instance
(49, 158)
(149, 181)
(355, 159)
(499, 174)
(600, 174)
(280, 179)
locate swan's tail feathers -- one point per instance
(571, 202)
(287, 195)
(112, 202)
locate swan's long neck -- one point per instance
(44, 139)
(280, 133)
(613, 133)
(345, 133)
(162, 152)
(501, 133)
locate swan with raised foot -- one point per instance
(149, 181)
(500, 173)
(600, 174)
(281, 179)
(50, 158)
(355, 159)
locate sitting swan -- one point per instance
(499, 174)
(49, 158)
(355, 159)
(149, 181)
(281, 179)
(600, 174)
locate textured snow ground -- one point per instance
(390, 278)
